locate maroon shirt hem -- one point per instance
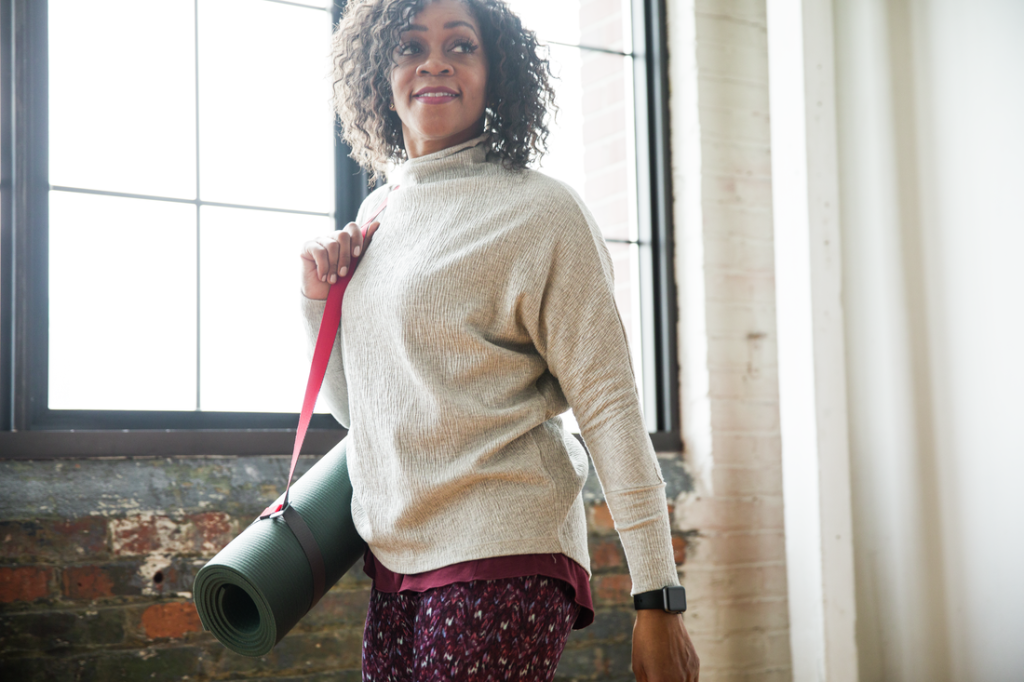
(548, 565)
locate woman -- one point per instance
(482, 312)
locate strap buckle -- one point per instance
(274, 511)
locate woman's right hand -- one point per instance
(326, 259)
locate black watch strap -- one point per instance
(671, 599)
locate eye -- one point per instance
(408, 49)
(464, 46)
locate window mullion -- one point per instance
(6, 241)
(199, 291)
(665, 309)
(29, 267)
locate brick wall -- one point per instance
(97, 559)
(735, 572)
(97, 563)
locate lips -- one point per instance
(435, 95)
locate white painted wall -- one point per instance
(735, 570)
(812, 382)
(931, 135)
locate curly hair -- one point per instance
(519, 92)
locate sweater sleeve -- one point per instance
(581, 337)
(335, 387)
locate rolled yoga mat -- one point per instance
(260, 585)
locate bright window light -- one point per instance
(174, 126)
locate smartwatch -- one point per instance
(669, 599)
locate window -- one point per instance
(140, 142)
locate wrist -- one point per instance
(671, 599)
(313, 295)
(654, 615)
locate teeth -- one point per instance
(436, 94)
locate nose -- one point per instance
(434, 65)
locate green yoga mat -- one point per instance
(260, 585)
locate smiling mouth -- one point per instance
(436, 96)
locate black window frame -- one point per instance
(30, 430)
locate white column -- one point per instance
(812, 381)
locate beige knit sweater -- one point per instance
(481, 311)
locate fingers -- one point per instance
(318, 254)
(370, 229)
(357, 239)
(352, 244)
(338, 248)
(340, 263)
(331, 256)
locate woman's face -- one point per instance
(439, 82)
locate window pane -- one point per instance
(625, 261)
(253, 348)
(592, 141)
(122, 96)
(609, 141)
(596, 23)
(565, 157)
(266, 128)
(557, 20)
(606, 24)
(122, 304)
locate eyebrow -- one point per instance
(450, 24)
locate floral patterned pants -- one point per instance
(483, 630)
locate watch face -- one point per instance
(675, 599)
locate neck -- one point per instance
(417, 145)
(462, 160)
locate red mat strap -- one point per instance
(321, 356)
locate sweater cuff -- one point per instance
(312, 313)
(641, 519)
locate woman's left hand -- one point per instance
(662, 650)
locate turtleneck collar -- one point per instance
(448, 164)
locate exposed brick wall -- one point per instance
(735, 571)
(97, 559)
